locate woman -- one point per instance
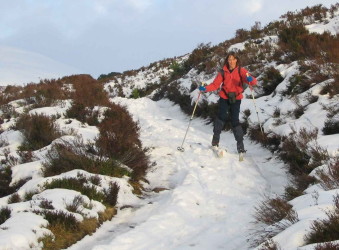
(230, 81)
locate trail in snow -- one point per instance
(209, 202)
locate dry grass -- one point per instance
(64, 237)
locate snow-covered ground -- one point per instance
(208, 202)
(205, 202)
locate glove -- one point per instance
(249, 78)
(202, 88)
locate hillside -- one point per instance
(23, 67)
(93, 164)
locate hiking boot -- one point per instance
(215, 144)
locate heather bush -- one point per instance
(297, 84)
(298, 111)
(273, 210)
(14, 198)
(111, 194)
(83, 185)
(327, 246)
(58, 217)
(270, 80)
(269, 245)
(326, 229)
(108, 77)
(329, 177)
(38, 131)
(77, 111)
(178, 70)
(5, 180)
(67, 156)
(75, 205)
(83, 114)
(295, 151)
(197, 57)
(331, 88)
(46, 204)
(270, 141)
(331, 126)
(277, 215)
(119, 139)
(8, 112)
(5, 214)
(77, 184)
(66, 230)
(299, 183)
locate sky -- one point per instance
(103, 36)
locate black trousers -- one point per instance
(228, 111)
(233, 110)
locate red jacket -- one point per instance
(232, 82)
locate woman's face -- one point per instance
(232, 62)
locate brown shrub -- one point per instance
(38, 130)
(329, 178)
(88, 91)
(119, 139)
(327, 229)
(327, 246)
(273, 210)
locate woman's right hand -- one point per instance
(202, 88)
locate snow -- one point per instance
(204, 193)
(206, 202)
(331, 25)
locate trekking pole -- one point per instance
(195, 106)
(256, 110)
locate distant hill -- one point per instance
(19, 66)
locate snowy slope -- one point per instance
(205, 202)
(209, 201)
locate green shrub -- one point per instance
(5, 214)
(331, 127)
(67, 220)
(76, 184)
(135, 94)
(178, 70)
(270, 80)
(81, 184)
(67, 156)
(5, 180)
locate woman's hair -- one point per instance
(235, 56)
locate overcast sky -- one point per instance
(101, 36)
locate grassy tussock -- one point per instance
(65, 235)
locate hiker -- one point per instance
(231, 80)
